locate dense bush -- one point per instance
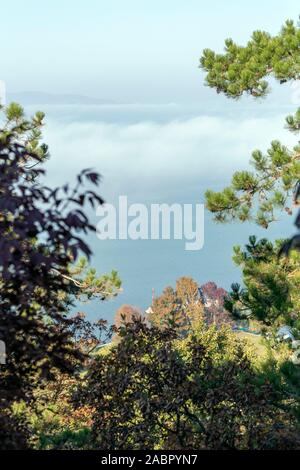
(156, 391)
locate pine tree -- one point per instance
(274, 185)
(259, 194)
(271, 285)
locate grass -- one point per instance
(256, 341)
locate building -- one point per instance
(285, 334)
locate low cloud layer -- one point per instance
(151, 160)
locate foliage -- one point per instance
(52, 420)
(181, 307)
(213, 298)
(126, 314)
(16, 128)
(157, 391)
(256, 195)
(294, 242)
(85, 283)
(271, 284)
(41, 235)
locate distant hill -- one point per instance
(32, 97)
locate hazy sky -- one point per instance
(133, 50)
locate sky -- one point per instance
(127, 51)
